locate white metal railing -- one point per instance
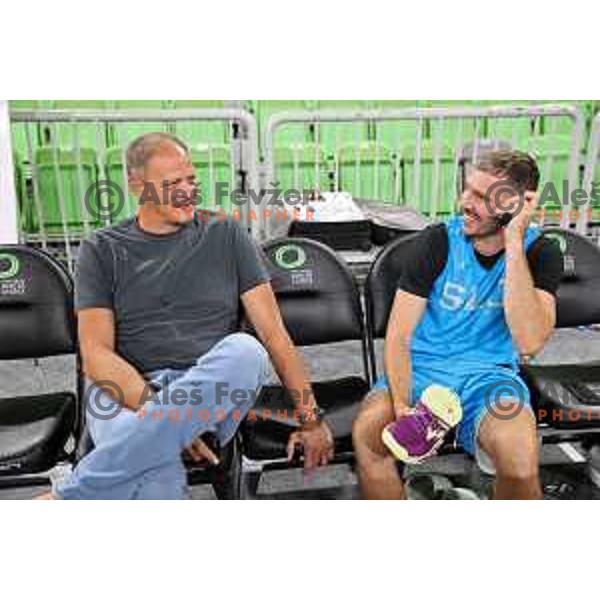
(44, 135)
(472, 128)
(591, 174)
(421, 177)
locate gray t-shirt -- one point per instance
(174, 296)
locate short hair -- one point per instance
(521, 168)
(144, 147)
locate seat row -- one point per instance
(321, 304)
(330, 136)
(428, 178)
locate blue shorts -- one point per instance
(480, 390)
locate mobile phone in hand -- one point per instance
(504, 219)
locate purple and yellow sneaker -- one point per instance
(419, 435)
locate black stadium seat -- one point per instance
(320, 304)
(380, 290)
(224, 477)
(36, 320)
(567, 397)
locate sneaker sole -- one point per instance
(444, 403)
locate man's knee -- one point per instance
(512, 446)
(245, 350)
(374, 414)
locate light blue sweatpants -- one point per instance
(137, 455)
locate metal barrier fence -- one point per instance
(417, 156)
(591, 174)
(409, 156)
(66, 155)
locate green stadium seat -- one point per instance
(516, 131)
(213, 163)
(44, 127)
(440, 204)
(21, 190)
(564, 125)
(199, 133)
(20, 150)
(455, 131)
(332, 136)
(70, 176)
(590, 108)
(19, 130)
(296, 168)
(91, 135)
(117, 172)
(370, 172)
(289, 134)
(346, 152)
(396, 134)
(123, 133)
(552, 154)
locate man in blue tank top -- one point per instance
(475, 295)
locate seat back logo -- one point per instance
(290, 257)
(9, 266)
(560, 239)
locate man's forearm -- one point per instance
(398, 369)
(103, 364)
(525, 316)
(291, 370)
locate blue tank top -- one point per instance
(464, 326)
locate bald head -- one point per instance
(144, 148)
(162, 177)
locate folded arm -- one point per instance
(100, 361)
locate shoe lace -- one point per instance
(428, 423)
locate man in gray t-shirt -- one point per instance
(159, 300)
(173, 295)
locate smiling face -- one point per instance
(496, 185)
(480, 214)
(171, 174)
